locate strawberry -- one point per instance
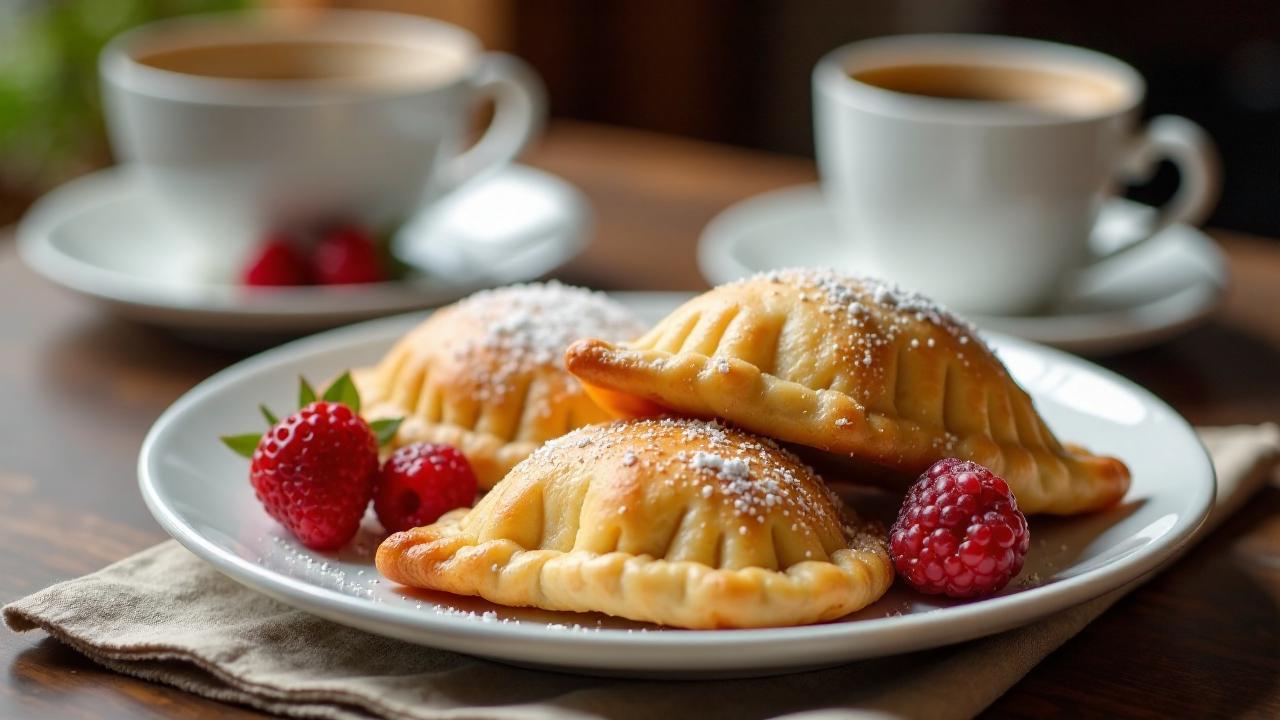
(279, 262)
(314, 471)
(346, 256)
(419, 483)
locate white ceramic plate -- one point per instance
(199, 493)
(101, 236)
(1143, 297)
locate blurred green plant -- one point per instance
(50, 116)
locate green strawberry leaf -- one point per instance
(306, 393)
(269, 416)
(242, 444)
(344, 391)
(385, 429)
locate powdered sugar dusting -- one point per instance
(530, 326)
(864, 298)
(871, 321)
(730, 469)
(756, 481)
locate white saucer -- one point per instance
(1143, 297)
(200, 494)
(99, 236)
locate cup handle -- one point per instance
(520, 110)
(1189, 147)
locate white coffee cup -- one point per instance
(973, 168)
(242, 124)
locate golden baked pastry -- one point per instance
(852, 367)
(486, 375)
(678, 522)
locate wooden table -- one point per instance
(79, 389)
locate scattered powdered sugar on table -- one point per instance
(486, 616)
(492, 617)
(1030, 580)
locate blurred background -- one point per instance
(732, 72)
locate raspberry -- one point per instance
(419, 483)
(959, 532)
(347, 256)
(314, 472)
(278, 263)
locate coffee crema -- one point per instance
(307, 60)
(1059, 93)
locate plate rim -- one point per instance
(930, 629)
(1108, 331)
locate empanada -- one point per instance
(679, 522)
(486, 374)
(852, 367)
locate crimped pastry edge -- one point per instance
(638, 587)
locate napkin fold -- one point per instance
(165, 616)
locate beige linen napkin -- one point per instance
(166, 616)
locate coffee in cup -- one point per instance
(357, 63)
(1060, 93)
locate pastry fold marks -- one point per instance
(851, 367)
(677, 522)
(486, 374)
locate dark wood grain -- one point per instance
(80, 388)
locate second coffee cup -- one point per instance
(973, 168)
